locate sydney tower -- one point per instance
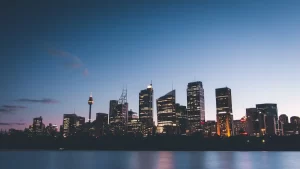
(90, 102)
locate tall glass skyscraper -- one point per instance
(224, 112)
(271, 112)
(195, 105)
(166, 115)
(146, 106)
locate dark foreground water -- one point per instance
(148, 160)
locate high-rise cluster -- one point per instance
(174, 118)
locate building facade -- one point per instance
(146, 106)
(224, 112)
(166, 115)
(69, 125)
(101, 124)
(38, 126)
(271, 119)
(181, 118)
(195, 106)
(253, 126)
(112, 110)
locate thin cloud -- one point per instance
(9, 124)
(43, 101)
(86, 72)
(9, 109)
(70, 61)
(13, 107)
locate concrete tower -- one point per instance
(90, 102)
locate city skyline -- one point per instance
(50, 63)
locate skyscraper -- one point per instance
(271, 113)
(166, 115)
(146, 106)
(101, 124)
(38, 125)
(253, 125)
(195, 105)
(224, 111)
(112, 110)
(181, 118)
(69, 124)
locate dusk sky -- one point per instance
(54, 54)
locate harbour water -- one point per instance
(147, 160)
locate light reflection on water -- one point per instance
(147, 160)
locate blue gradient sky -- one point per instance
(251, 47)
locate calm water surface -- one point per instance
(148, 160)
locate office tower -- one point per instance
(224, 111)
(181, 120)
(90, 102)
(253, 127)
(119, 114)
(69, 124)
(195, 105)
(166, 115)
(38, 126)
(146, 106)
(101, 124)
(270, 110)
(112, 110)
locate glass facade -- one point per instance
(146, 106)
(166, 115)
(195, 105)
(112, 110)
(69, 124)
(224, 112)
(271, 119)
(101, 124)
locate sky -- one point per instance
(53, 54)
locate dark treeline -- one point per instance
(155, 143)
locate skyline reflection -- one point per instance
(147, 160)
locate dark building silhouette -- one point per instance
(146, 106)
(182, 120)
(101, 124)
(195, 105)
(112, 110)
(80, 121)
(224, 112)
(166, 115)
(295, 124)
(295, 120)
(283, 119)
(253, 126)
(271, 112)
(90, 102)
